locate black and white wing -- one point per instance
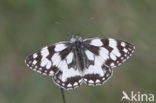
(105, 53)
(101, 55)
(56, 60)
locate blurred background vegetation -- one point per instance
(27, 25)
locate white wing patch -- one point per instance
(123, 44)
(96, 42)
(112, 56)
(44, 52)
(34, 62)
(70, 58)
(89, 55)
(34, 55)
(56, 59)
(104, 53)
(44, 61)
(125, 50)
(113, 44)
(60, 47)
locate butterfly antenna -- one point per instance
(63, 96)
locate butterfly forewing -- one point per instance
(45, 60)
(40, 61)
(113, 52)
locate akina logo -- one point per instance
(137, 96)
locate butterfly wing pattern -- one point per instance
(114, 52)
(106, 53)
(53, 61)
(64, 62)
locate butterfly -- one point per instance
(89, 61)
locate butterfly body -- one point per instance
(70, 63)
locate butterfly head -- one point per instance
(76, 38)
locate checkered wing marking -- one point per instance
(97, 73)
(56, 60)
(113, 52)
(68, 76)
(42, 60)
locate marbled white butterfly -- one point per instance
(70, 63)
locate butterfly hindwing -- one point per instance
(97, 73)
(67, 76)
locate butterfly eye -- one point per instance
(72, 39)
